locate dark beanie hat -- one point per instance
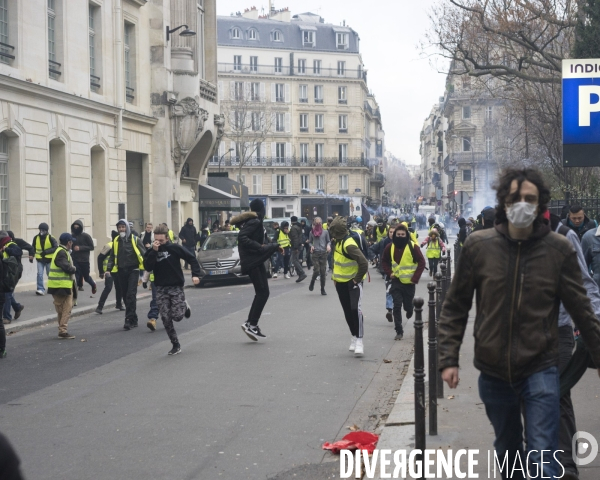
(257, 206)
(294, 219)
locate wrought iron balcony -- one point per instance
(291, 162)
(378, 179)
(241, 69)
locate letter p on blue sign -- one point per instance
(581, 112)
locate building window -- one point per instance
(304, 152)
(236, 34)
(308, 38)
(319, 152)
(279, 92)
(466, 144)
(318, 93)
(54, 67)
(304, 122)
(466, 175)
(278, 65)
(379, 148)
(255, 122)
(254, 64)
(343, 123)
(95, 46)
(321, 183)
(5, 51)
(255, 91)
(281, 184)
(343, 152)
(489, 113)
(256, 184)
(343, 183)
(341, 70)
(280, 153)
(4, 215)
(466, 112)
(252, 35)
(303, 93)
(129, 42)
(239, 90)
(276, 36)
(304, 183)
(237, 63)
(341, 40)
(301, 66)
(319, 123)
(343, 95)
(317, 67)
(280, 122)
(489, 146)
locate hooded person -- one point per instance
(462, 231)
(82, 246)
(381, 230)
(254, 249)
(403, 262)
(15, 248)
(297, 243)
(109, 280)
(188, 236)
(203, 235)
(126, 260)
(61, 284)
(435, 248)
(44, 246)
(8, 248)
(282, 238)
(320, 246)
(349, 269)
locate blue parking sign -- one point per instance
(581, 112)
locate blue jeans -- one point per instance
(40, 275)
(9, 301)
(537, 396)
(153, 313)
(389, 301)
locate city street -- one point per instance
(111, 403)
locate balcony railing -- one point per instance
(469, 157)
(94, 82)
(287, 71)
(290, 162)
(378, 178)
(54, 69)
(368, 108)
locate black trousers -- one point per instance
(192, 250)
(567, 426)
(433, 265)
(309, 262)
(2, 330)
(258, 275)
(403, 295)
(82, 273)
(128, 281)
(350, 296)
(108, 285)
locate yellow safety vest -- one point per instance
(110, 246)
(407, 267)
(283, 239)
(325, 227)
(344, 268)
(380, 236)
(38, 246)
(434, 250)
(57, 277)
(171, 235)
(6, 255)
(135, 249)
(358, 230)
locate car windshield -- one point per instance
(220, 242)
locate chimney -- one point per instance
(250, 13)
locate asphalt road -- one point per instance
(116, 406)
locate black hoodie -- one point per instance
(166, 264)
(84, 243)
(189, 234)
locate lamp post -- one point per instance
(473, 162)
(221, 157)
(452, 171)
(186, 33)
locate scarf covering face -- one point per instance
(317, 230)
(402, 242)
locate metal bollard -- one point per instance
(438, 291)
(433, 363)
(419, 379)
(444, 285)
(449, 265)
(440, 383)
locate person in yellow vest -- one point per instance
(171, 235)
(381, 230)
(61, 283)
(108, 280)
(414, 236)
(45, 246)
(127, 255)
(283, 239)
(435, 248)
(349, 269)
(431, 222)
(403, 262)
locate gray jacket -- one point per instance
(590, 244)
(564, 319)
(320, 243)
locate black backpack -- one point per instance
(11, 273)
(360, 241)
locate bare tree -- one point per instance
(250, 120)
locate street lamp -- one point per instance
(452, 171)
(186, 33)
(473, 161)
(221, 157)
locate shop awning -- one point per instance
(214, 199)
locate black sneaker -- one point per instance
(323, 292)
(409, 314)
(3, 353)
(80, 289)
(301, 277)
(134, 324)
(389, 316)
(398, 336)
(126, 325)
(253, 331)
(175, 350)
(120, 307)
(18, 312)
(188, 310)
(98, 310)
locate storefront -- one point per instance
(214, 204)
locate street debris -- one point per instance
(385, 360)
(354, 441)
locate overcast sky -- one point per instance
(404, 83)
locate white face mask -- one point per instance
(521, 214)
(122, 234)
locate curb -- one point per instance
(76, 312)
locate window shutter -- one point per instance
(273, 98)
(274, 183)
(221, 91)
(288, 150)
(288, 184)
(273, 150)
(231, 90)
(288, 123)
(221, 149)
(287, 93)
(259, 184)
(263, 98)
(233, 153)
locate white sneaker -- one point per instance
(352, 344)
(274, 275)
(287, 275)
(359, 348)
(40, 292)
(318, 277)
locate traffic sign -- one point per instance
(581, 112)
